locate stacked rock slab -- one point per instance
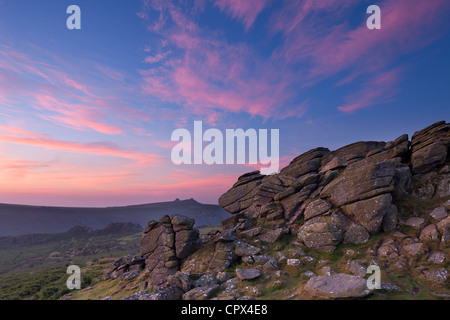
(342, 196)
(429, 148)
(125, 267)
(165, 243)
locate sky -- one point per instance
(86, 116)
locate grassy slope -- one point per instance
(38, 271)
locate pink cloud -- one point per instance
(330, 45)
(77, 116)
(25, 137)
(165, 144)
(156, 58)
(167, 10)
(210, 75)
(59, 98)
(214, 76)
(245, 11)
(303, 15)
(377, 90)
(10, 164)
(111, 73)
(342, 47)
(22, 64)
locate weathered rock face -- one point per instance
(337, 287)
(444, 229)
(360, 184)
(248, 274)
(369, 213)
(165, 243)
(323, 198)
(241, 196)
(215, 255)
(321, 234)
(342, 196)
(353, 152)
(429, 147)
(125, 267)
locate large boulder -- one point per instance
(369, 213)
(353, 152)
(271, 236)
(321, 234)
(158, 245)
(360, 180)
(201, 293)
(211, 258)
(165, 243)
(430, 232)
(439, 214)
(186, 242)
(360, 184)
(337, 286)
(305, 163)
(248, 274)
(356, 234)
(241, 195)
(429, 147)
(444, 229)
(316, 208)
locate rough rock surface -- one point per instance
(347, 195)
(281, 224)
(248, 274)
(124, 266)
(337, 286)
(165, 243)
(429, 147)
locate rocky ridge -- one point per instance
(374, 203)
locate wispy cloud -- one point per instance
(25, 137)
(207, 72)
(245, 11)
(55, 96)
(111, 73)
(378, 90)
(157, 58)
(319, 37)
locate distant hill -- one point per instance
(22, 219)
(32, 252)
(113, 229)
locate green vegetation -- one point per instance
(411, 206)
(43, 285)
(63, 249)
(38, 270)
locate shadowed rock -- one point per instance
(165, 243)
